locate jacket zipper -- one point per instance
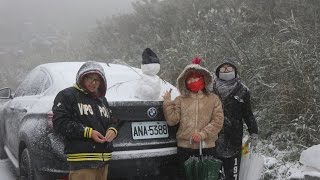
(197, 112)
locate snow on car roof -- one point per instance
(121, 79)
(66, 72)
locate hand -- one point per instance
(253, 140)
(167, 96)
(110, 135)
(97, 137)
(196, 137)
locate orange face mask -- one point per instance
(195, 82)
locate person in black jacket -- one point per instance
(235, 97)
(81, 114)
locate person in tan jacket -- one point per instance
(197, 112)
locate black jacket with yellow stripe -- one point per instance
(76, 114)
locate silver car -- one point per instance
(145, 145)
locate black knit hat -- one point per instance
(148, 57)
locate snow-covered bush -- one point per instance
(275, 43)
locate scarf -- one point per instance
(225, 88)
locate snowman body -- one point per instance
(149, 86)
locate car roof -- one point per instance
(121, 79)
(66, 72)
(58, 67)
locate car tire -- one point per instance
(3, 154)
(27, 171)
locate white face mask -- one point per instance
(227, 76)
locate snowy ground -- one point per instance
(277, 166)
(7, 170)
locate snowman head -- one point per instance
(150, 62)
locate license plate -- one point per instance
(149, 130)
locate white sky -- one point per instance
(75, 16)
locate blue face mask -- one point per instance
(227, 76)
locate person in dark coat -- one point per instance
(235, 97)
(81, 114)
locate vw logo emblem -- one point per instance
(152, 112)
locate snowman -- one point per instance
(149, 86)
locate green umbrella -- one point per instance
(202, 167)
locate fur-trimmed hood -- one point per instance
(181, 80)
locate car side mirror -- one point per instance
(5, 93)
